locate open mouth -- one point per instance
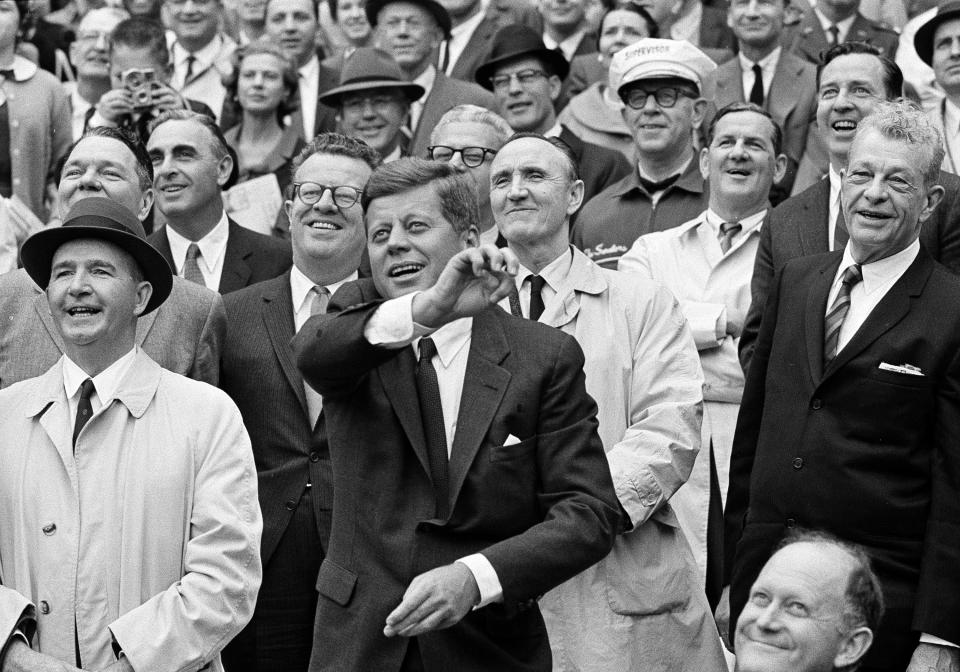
(404, 269)
(82, 311)
(872, 214)
(324, 225)
(173, 188)
(844, 125)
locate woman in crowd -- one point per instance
(351, 19)
(594, 112)
(35, 128)
(264, 87)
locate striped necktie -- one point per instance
(838, 311)
(728, 231)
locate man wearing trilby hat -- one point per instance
(135, 539)
(938, 45)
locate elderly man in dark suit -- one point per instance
(280, 411)
(833, 22)
(526, 78)
(473, 27)
(183, 335)
(850, 420)
(192, 163)
(467, 484)
(852, 81)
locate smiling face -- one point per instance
(410, 34)
(293, 25)
(946, 56)
(187, 173)
(792, 620)
(565, 15)
(260, 87)
(851, 87)
(663, 133)
(532, 195)
(527, 106)
(741, 164)
(90, 52)
(352, 20)
(374, 116)
(194, 21)
(103, 167)
(756, 22)
(252, 11)
(9, 23)
(95, 297)
(884, 196)
(620, 29)
(323, 231)
(410, 241)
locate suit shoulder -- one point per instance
(258, 240)
(189, 294)
(188, 392)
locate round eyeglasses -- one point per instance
(472, 156)
(311, 193)
(666, 97)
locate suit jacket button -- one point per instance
(816, 405)
(290, 505)
(50, 529)
(314, 456)
(791, 522)
(798, 463)
(44, 607)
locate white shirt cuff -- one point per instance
(486, 577)
(392, 325)
(933, 639)
(708, 322)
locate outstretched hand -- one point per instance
(471, 281)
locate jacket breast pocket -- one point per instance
(336, 582)
(513, 451)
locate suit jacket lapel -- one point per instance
(236, 271)
(398, 377)
(816, 310)
(780, 99)
(892, 308)
(484, 385)
(815, 220)
(162, 243)
(277, 314)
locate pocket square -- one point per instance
(511, 439)
(907, 369)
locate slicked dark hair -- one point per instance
(456, 192)
(776, 137)
(138, 32)
(218, 143)
(892, 74)
(653, 30)
(570, 159)
(127, 138)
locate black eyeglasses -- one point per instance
(472, 156)
(525, 77)
(666, 97)
(311, 192)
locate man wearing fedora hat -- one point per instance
(525, 78)
(373, 101)
(142, 553)
(938, 45)
(412, 31)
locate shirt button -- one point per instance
(290, 505)
(791, 522)
(314, 456)
(49, 529)
(44, 607)
(816, 404)
(798, 463)
(15, 123)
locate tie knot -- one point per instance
(427, 349)
(87, 389)
(537, 283)
(731, 228)
(757, 70)
(193, 252)
(852, 275)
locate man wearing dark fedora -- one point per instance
(525, 78)
(373, 101)
(412, 31)
(143, 551)
(938, 45)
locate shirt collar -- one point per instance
(301, 286)
(834, 177)
(748, 223)
(567, 46)
(212, 246)
(449, 339)
(951, 117)
(878, 274)
(553, 273)
(767, 64)
(392, 156)
(426, 80)
(311, 69)
(205, 55)
(470, 25)
(106, 382)
(554, 131)
(843, 27)
(23, 69)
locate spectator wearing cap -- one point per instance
(938, 45)
(373, 101)
(525, 78)
(411, 31)
(665, 86)
(170, 530)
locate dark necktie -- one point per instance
(838, 311)
(191, 269)
(840, 234)
(536, 297)
(84, 408)
(434, 430)
(834, 34)
(756, 93)
(653, 187)
(6, 74)
(191, 59)
(728, 230)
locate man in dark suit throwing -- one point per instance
(191, 164)
(280, 411)
(467, 484)
(850, 418)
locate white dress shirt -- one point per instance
(768, 66)
(105, 383)
(553, 275)
(392, 326)
(204, 58)
(951, 136)
(568, 46)
(78, 109)
(843, 27)
(834, 178)
(309, 83)
(213, 248)
(460, 35)
(426, 80)
(301, 290)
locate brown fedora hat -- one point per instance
(923, 40)
(104, 219)
(436, 10)
(369, 68)
(518, 41)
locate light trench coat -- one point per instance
(710, 286)
(642, 607)
(149, 533)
